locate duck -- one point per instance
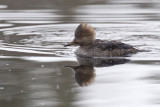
(89, 46)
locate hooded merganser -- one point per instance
(91, 47)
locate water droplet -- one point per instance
(10, 70)
(42, 66)
(1, 88)
(21, 91)
(57, 86)
(34, 78)
(7, 64)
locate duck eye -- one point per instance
(76, 42)
(78, 35)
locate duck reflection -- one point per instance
(85, 72)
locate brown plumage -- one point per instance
(84, 74)
(91, 47)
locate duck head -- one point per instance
(84, 35)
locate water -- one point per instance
(36, 70)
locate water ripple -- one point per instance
(47, 39)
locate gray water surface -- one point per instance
(36, 70)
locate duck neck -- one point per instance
(86, 46)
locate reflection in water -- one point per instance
(46, 82)
(85, 72)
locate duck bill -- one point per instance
(72, 67)
(70, 44)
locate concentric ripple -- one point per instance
(49, 40)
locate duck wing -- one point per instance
(111, 45)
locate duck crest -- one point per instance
(85, 30)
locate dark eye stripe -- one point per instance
(76, 42)
(78, 35)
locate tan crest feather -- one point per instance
(84, 29)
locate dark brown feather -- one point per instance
(111, 45)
